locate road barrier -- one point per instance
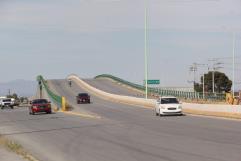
(164, 92)
(58, 100)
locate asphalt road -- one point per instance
(112, 87)
(123, 133)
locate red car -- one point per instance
(40, 105)
(82, 98)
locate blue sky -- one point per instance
(90, 37)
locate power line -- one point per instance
(223, 58)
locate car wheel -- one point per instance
(160, 113)
(156, 113)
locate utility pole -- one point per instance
(193, 69)
(204, 65)
(213, 73)
(40, 90)
(215, 67)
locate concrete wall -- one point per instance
(213, 107)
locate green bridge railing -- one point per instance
(54, 97)
(164, 92)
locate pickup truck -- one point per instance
(6, 102)
(83, 98)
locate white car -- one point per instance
(7, 102)
(168, 106)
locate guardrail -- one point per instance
(58, 100)
(164, 92)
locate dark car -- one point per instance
(83, 98)
(40, 105)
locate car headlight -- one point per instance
(180, 107)
(162, 107)
(35, 107)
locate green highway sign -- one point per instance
(152, 81)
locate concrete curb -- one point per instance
(211, 113)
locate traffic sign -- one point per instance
(154, 81)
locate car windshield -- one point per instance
(83, 94)
(40, 101)
(169, 101)
(7, 100)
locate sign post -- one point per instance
(152, 82)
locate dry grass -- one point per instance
(13, 146)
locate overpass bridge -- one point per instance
(118, 131)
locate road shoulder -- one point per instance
(9, 156)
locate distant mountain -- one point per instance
(20, 87)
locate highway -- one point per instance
(122, 133)
(112, 87)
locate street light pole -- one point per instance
(203, 85)
(146, 60)
(215, 67)
(213, 80)
(193, 69)
(233, 62)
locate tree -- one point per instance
(14, 95)
(222, 83)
